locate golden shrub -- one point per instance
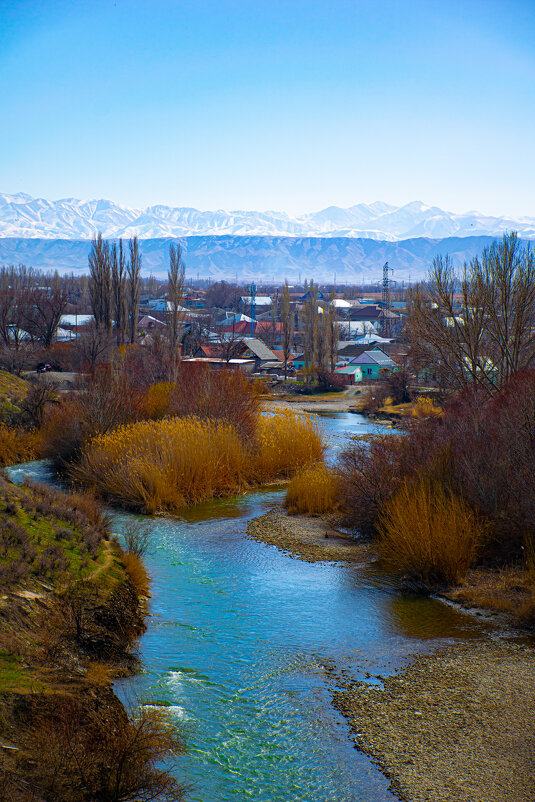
(428, 533)
(137, 573)
(286, 441)
(424, 407)
(313, 491)
(18, 445)
(167, 464)
(157, 399)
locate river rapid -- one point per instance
(244, 644)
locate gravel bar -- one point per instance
(455, 726)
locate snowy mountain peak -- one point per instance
(26, 217)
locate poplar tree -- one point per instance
(134, 287)
(286, 321)
(175, 294)
(332, 332)
(100, 282)
(118, 279)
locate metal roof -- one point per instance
(259, 349)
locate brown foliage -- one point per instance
(481, 449)
(428, 534)
(222, 395)
(84, 756)
(313, 490)
(137, 573)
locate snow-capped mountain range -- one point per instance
(23, 216)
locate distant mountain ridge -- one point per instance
(22, 217)
(263, 259)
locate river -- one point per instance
(242, 642)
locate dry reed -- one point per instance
(313, 491)
(428, 534)
(424, 407)
(18, 445)
(167, 464)
(137, 573)
(286, 441)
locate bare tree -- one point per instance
(92, 346)
(100, 282)
(118, 280)
(15, 287)
(477, 329)
(229, 344)
(310, 323)
(42, 313)
(176, 275)
(332, 332)
(287, 326)
(134, 287)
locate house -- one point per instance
(373, 362)
(260, 301)
(147, 322)
(356, 328)
(76, 322)
(256, 327)
(353, 373)
(215, 363)
(259, 351)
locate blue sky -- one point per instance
(270, 105)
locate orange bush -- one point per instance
(137, 573)
(428, 533)
(313, 491)
(166, 464)
(18, 445)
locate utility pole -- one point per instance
(252, 299)
(387, 299)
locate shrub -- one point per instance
(157, 399)
(137, 573)
(164, 465)
(159, 465)
(331, 382)
(424, 408)
(78, 748)
(18, 445)
(428, 534)
(370, 471)
(313, 491)
(220, 395)
(136, 538)
(286, 441)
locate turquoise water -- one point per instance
(244, 642)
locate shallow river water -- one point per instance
(242, 642)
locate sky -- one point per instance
(291, 105)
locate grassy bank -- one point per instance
(70, 613)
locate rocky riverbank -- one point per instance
(310, 539)
(456, 726)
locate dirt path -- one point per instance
(319, 403)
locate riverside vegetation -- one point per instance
(449, 503)
(71, 604)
